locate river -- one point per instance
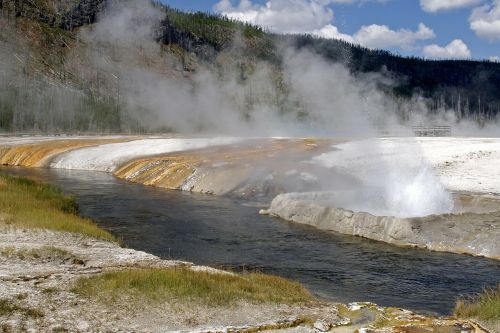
(229, 232)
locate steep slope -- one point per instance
(66, 74)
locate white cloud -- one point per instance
(380, 36)
(282, 16)
(494, 59)
(433, 6)
(332, 32)
(315, 17)
(485, 21)
(457, 49)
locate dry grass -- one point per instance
(184, 285)
(42, 253)
(28, 204)
(485, 306)
(9, 307)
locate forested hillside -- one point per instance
(52, 58)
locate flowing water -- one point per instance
(228, 232)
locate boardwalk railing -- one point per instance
(431, 130)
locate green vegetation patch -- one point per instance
(29, 204)
(185, 285)
(484, 306)
(217, 30)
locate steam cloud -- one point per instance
(321, 98)
(333, 102)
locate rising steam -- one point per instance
(392, 179)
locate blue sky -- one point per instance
(427, 28)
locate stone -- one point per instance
(322, 326)
(342, 322)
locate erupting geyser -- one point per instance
(391, 194)
(393, 179)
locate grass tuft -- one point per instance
(9, 307)
(185, 285)
(29, 204)
(485, 306)
(50, 290)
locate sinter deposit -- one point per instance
(475, 232)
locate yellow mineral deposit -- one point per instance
(224, 166)
(166, 172)
(40, 154)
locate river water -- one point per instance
(229, 232)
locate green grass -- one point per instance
(484, 306)
(185, 285)
(29, 204)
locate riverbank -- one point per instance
(264, 169)
(41, 291)
(475, 231)
(47, 278)
(484, 308)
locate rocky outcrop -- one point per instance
(466, 233)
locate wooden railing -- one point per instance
(431, 130)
